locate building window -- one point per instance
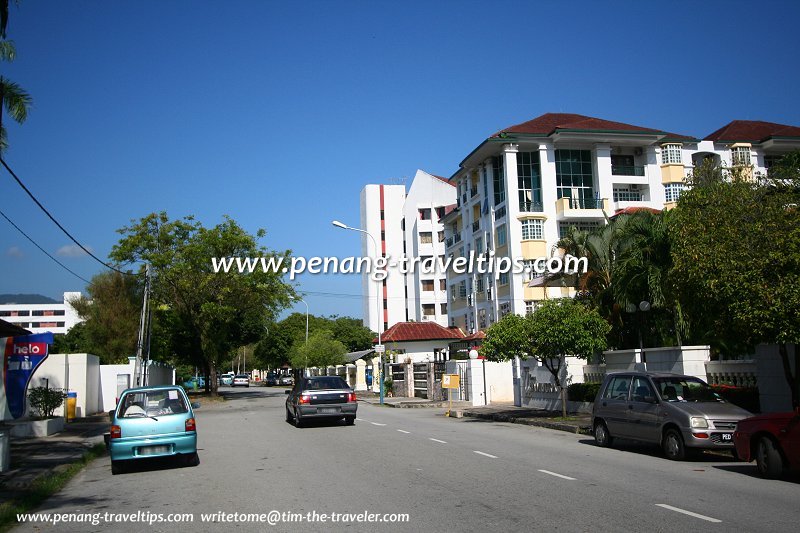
(482, 319)
(532, 229)
(441, 236)
(501, 235)
(462, 289)
(425, 237)
(443, 308)
(529, 181)
(498, 180)
(671, 154)
(531, 306)
(627, 195)
(771, 160)
(574, 177)
(479, 285)
(479, 245)
(440, 212)
(740, 155)
(427, 285)
(428, 309)
(583, 225)
(424, 214)
(673, 191)
(504, 309)
(502, 279)
(452, 292)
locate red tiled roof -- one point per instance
(752, 131)
(631, 210)
(449, 209)
(550, 122)
(419, 331)
(447, 181)
(477, 336)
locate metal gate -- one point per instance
(463, 379)
(420, 380)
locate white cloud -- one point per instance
(72, 250)
(15, 252)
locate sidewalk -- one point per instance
(36, 457)
(574, 423)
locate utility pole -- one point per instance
(140, 367)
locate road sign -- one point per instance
(450, 381)
(379, 348)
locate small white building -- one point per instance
(55, 318)
(419, 341)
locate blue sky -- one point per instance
(278, 113)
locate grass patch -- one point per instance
(44, 487)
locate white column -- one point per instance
(604, 185)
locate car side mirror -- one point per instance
(196, 405)
(111, 414)
(650, 399)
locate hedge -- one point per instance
(582, 392)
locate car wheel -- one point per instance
(735, 455)
(601, 435)
(673, 445)
(350, 420)
(117, 467)
(288, 415)
(297, 422)
(768, 459)
(191, 459)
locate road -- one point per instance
(445, 474)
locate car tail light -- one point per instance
(351, 397)
(116, 432)
(190, 425)
(304, 399)
(701, 435)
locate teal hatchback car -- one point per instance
(153, 422)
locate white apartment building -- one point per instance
(521, 189)
(406, 224)
(56, 318)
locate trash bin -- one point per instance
(72, 403)
(5, 450)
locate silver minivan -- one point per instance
(681, 413)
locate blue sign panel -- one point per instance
(21, 357)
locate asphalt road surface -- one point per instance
(443, 474)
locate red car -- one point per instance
(772, 440)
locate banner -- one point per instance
(21, 357)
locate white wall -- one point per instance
(78, 373)
(773, 390)
(418, 351)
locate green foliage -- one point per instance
(736, 253)
(46, 400)
(206, 314)
(322, 349)
(388, 385)
(582, 392)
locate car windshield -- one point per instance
(152, 403)
(685, 389)
(323, 383)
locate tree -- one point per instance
(212, 312)
(111, 317)
(322, 349)
(556, 329)
(352, 333)
(13, 98)
(736, 253)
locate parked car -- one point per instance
(226, 379)
(198, 382)
(271, 380)
(286, 379)
(680, 413)
(241, 380)
(321, 397)
(772, 440)
(153, 422)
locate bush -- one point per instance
(46, 400)
(582, 392)
(388, 385)
(744, 397)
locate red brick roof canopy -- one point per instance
(550, 122)
(420, 331)
(447, 181)
(752, 131)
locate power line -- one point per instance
(46, 212)
(43, 250)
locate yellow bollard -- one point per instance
(72, 404)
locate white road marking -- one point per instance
(485, 454)
(557, 475)
(684, 511)
(437, 440)
(361, 419)
(377, 424)
(402, 431)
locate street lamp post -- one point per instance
(377, 297)
(295, 298)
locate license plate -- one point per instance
(727, 437)
(327, 410)
(154, 450)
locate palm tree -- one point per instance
(13, 98)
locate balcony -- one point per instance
(500, 213)
(476, 226)
(577, 208)
(627, 170)
(530, 207)
(473, 192)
